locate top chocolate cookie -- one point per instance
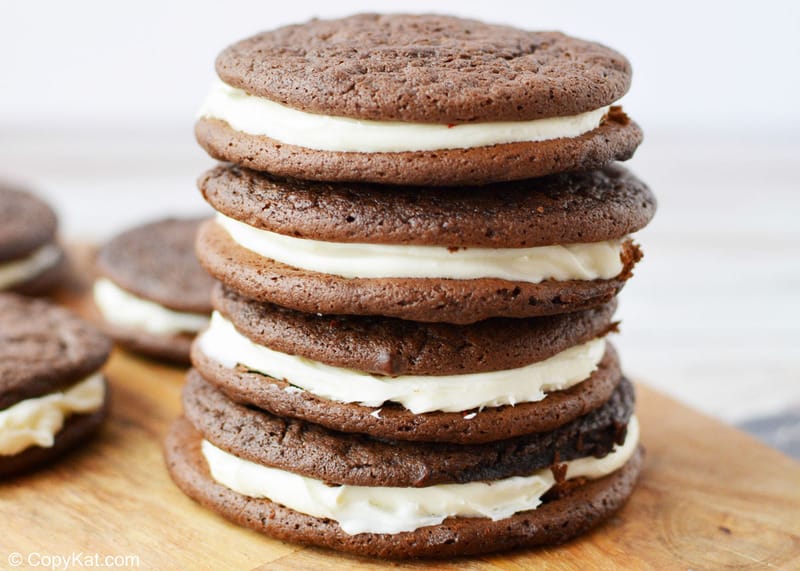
(156, 261)
(44, 348)
(426, 69)
(423, 100)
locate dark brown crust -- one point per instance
(44, 348)
(615, 140)
(77, 429)
(173, 349)
(397, 423)
(156, 261)
(388, 346)
(416, 299)
(425, 68)
(26, 223)
(46, 281)
(556, 521)
(358, 460)
(591, 206)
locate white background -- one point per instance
(97, 101)
(728, 66)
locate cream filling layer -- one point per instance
(15, 272)
(260, 116)
(417, 393)
(124, 309)
(596, 260)
(378, 509)
(36, 421)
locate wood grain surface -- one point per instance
(710, 497)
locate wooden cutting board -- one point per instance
(710, 497)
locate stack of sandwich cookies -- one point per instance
(31, 261)
(152, 295)
(414, 371)
(53, 395)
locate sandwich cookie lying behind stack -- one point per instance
(152, 295)
(31, 261)
(53, 395)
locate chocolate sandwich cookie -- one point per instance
(360, 460)
(152, 294)
(569, 508)
(409, 380)
(519, 249)
(417, 99)
(52, 395)
(31, 261)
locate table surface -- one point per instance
(710, 497)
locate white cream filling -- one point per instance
(124, 309)
(417, 393)
(260, 116)
(15, 272)
(367, 509)
(596, 260)
(36, 421)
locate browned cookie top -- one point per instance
(561, 209)
(26, 223)
(425, 68)
(156, 261)
(389, 346)
(44, 348)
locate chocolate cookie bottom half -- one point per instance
(459, 301)
(567, 509)
(396, 422)
(616, 139)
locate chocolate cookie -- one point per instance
(392, 71)
(569, 208)
(392, 421)
(614, 140)
(44, 350)
(174, 348)
(387, 346)
(31, 261)
(359, 460)
(417, 299)
(57, 272)
(425, 68)
(577, 510)
(154, 263)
